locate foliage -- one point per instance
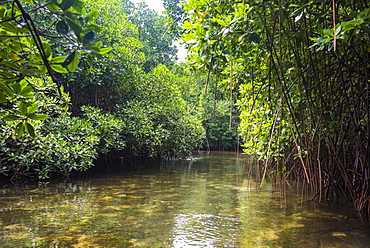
(63, 144)
(157, 122)
(154, 34)
(133, 105)
(176, 16)
(211, 108)
(111, 129)
(108, 81)
(220, 135)
(29, 49)
(301, 68)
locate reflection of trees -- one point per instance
(206, 214)
(113, 213)
(210, 202)
(53, 215)
(269, 219)
(257, 215)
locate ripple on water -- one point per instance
(204, 230)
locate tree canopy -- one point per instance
(83, 84)
(36, 47)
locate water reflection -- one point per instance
(208, 202)
(205, 230)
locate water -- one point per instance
(210, 201)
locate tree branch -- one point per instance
(35, 35)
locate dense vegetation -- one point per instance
(80, 84)
(98, 81)
(301, 69)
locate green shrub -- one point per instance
(63, 144)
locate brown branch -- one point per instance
(16, 36)
(51, 36)
(39, 7)
(35, 35)
(10, 19)
(10, 1)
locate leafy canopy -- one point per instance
(33, 46)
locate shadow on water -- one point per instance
(212, 200)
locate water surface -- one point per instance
(210, 201)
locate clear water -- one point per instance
(210, 201)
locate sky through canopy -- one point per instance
(157, 5)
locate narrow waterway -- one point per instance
(210, 201)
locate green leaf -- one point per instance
(57, 59)
(92, 47)
(74, 63)
(66, 4)
(2, 12)
(99, 44)
(19, 130)
(90, 60)
(328, 33)
(31, 109)
(2, 97)
(23, 83)
(37, 117)
(12, 118)
(30, 129)
(348, 25)
(17, 88)
(25, 91)
(6, 89)
(62, 27)
(48, 51)
(53, 6)
(75, 27)
(68, 59)
(6, 74)
(27, 95)
(93, 14)
(187, 25)
(105, 50)
(89, 37)
(93, 27)
(9, 27)
(322, 40)
(43, 69)
(23, 108)
(78, 6)
(59, 68)
(32, 71)
(10, 65)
